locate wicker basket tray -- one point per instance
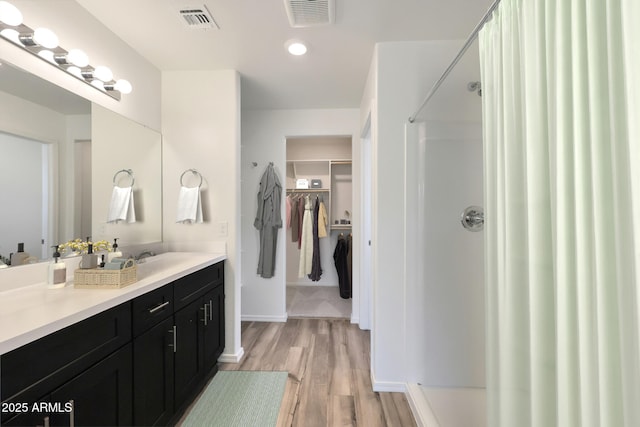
(97, 278)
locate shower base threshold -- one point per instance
(448, 407)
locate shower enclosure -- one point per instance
(444, 267)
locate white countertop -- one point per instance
(31, 312)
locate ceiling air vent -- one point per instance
(310, 13)
(197, 17)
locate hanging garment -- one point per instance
(350, 260)
(288, 211)
(295, 220)
(268, 220)
(301, 207)
(340, 260)
(316, 268)
(323, 220)
(306, 239)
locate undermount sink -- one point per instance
(161, 262)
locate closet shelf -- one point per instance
(341, 226)
(308, 190)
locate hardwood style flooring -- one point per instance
(329, 373)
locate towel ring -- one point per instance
(193, 171)
(127, 171)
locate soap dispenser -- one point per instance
(115, 253)
(89, 260)
(57, 277)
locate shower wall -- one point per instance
(445, 308)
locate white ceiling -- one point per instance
(252, 35)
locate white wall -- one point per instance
(201, 130)
(401, 75)
(264, 134)
(77, 28)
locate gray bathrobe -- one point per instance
(268, 220)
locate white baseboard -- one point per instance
(388, 385)
(422, 412)
(231, 357)
(260, 318)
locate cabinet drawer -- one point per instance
(193, 286)
(151, 308)
(33, 369)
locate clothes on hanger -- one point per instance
(295, 218)
(268, 220)
(301, 209)
(316, 268)
(341, 260)
(323, 220)
(306, 240)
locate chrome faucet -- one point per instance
(144, 254)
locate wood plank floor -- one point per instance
(329, 373)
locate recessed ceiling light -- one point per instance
(296, 47)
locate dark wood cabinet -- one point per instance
(140, 363)
(172, 361)
(189, 353)
(101, 395)
(214, 329)
(200, 330)
(153, 375)
(88, 363)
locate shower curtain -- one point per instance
(561, 117)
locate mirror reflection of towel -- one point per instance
(189, 205)
(122, 206)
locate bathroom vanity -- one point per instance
(131, 356)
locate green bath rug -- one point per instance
(239, 398)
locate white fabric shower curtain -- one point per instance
(561, 118)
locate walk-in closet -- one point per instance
(318, 225)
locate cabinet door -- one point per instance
(214, 329)
(26, 414)
(153, 375)
(101, 395)
(188, 366)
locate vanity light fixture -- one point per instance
(43, 43)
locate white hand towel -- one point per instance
(122, 206)
(189, 205)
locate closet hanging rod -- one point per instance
(467, 44)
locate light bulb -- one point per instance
(47, 54)
(97, 83)
(78, 58)
(11, 34)
(75, 71)
(103, 73)
(9, 14)
(45, 38)
(123, 86)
